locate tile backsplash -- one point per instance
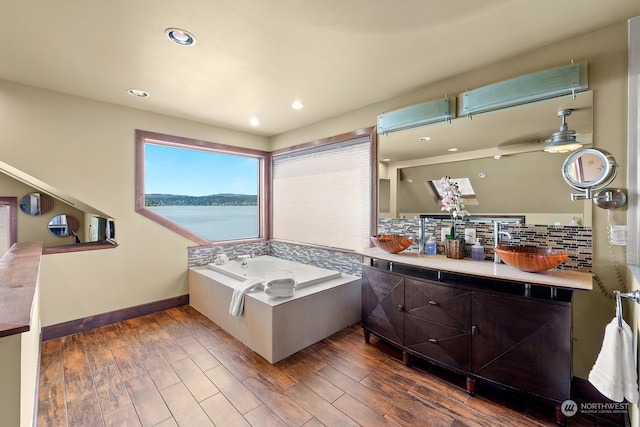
(341, 261)
(577, 241)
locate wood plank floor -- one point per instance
(177, 368)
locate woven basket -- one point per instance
(454, 249)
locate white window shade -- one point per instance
(324, 197)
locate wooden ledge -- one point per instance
(18, 279)
(80, 247)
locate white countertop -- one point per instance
(568, 279)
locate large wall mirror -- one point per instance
(499, 152)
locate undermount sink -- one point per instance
(531, 258)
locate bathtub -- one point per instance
(324, 303)
(304, 275)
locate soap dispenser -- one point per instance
(430, 245)
(477, 251)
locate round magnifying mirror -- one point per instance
(590, 168)
(63, 225)
(36, 204)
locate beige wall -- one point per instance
(86, 149)
(606, 53)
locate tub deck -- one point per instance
(276, 328)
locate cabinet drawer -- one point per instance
(445, 345)
(437, 303)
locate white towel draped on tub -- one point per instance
(280, 283)
(614, 373)
(237, 299)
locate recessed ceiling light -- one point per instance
(254, 121)
(137, 92)
(297, 105)
(181, 37)
(424, 138)
(386, 160)
(452, 149)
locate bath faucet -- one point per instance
(496, 239)
(245, 259)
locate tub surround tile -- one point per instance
(348, 263)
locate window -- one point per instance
(205, 191)
(323, 195)
(464, 184)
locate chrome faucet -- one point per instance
(421, 234)
(496, 239)
(245, 259)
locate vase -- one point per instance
(454, 249)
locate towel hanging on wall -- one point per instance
(614, 373)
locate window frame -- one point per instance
(264, 182)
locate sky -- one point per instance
(171, 170)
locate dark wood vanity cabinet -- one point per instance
(503, 333)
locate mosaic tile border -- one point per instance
(199, 256)
(576, 240)
(326, 258)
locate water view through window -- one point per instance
(211, 194)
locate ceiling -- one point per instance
(253, 58)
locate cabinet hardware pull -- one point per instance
(474, 330)
(400, 307)
(433, 341)
(434, 302)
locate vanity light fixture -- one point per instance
(138, 93)
(427, 113)
(564, 140)
(181, 37)
(546, 84)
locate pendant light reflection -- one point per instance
(564, 140)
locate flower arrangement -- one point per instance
(452, 202)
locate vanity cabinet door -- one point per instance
(438, 322)
(383, 304)
(523, 343)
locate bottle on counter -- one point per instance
(477, 251)
(430, 245)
